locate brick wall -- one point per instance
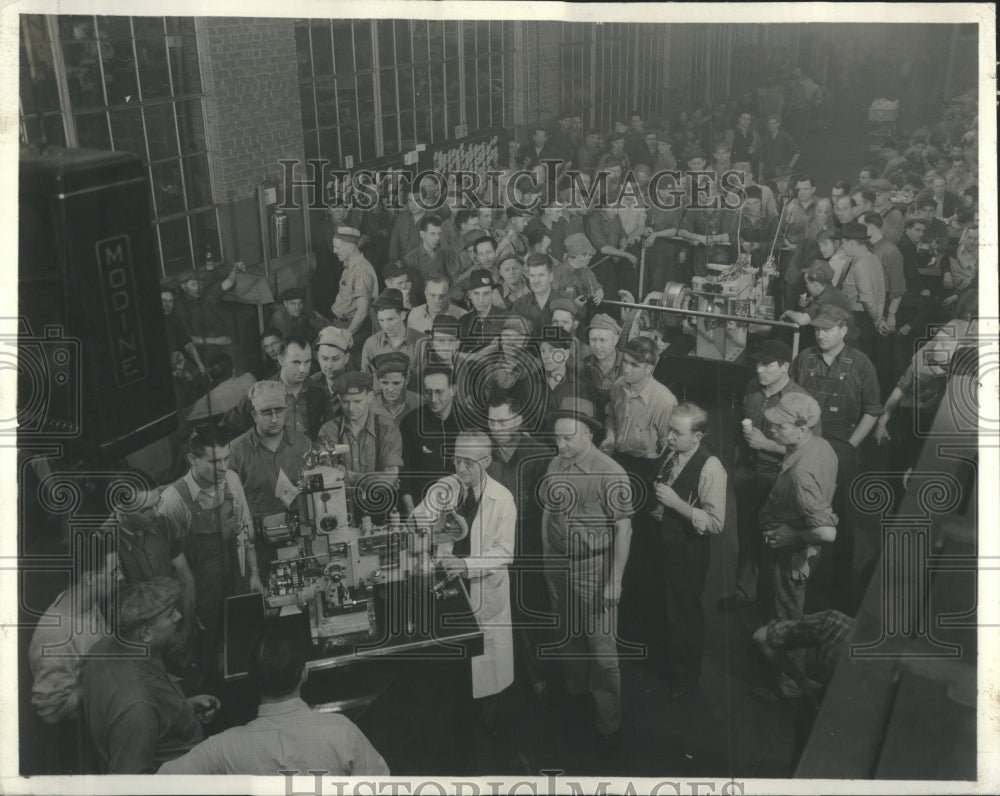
(253, 114)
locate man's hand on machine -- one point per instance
(453, 566)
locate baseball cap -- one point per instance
(577, 244)
(772, 351)
(795, 407)
(605, 322)
(352, 382)
(267, 395)
(480, 278)
(335, 336)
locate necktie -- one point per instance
(667, 470)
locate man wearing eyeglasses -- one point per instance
(481, 558)
(267, 450)
(429, 434)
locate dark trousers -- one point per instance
(685, 565)
(841, 579)
(866, 335)
(752, 488)
(530, 610)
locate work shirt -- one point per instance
(258, 467)
(538, 315)
(572, 282)
(357, 281)
(892, 223)
(379, 343)
(585, 525)
(827, 632)
(201, 317)
(147, 545)
(778, 150)
(892, 266)
(708, 513)
(432, 264)
(61, 640)
(405, 234)
(395, 412)
(755, 403)
(307, 325)
(429, 443)
(285, 736)
(519, 466)
(421, 320)
(376, 447)
(480, 328)
(864, 285)
(639, 419)
(603, 231)
(802, 495)
(175, 509)
(137, 714)
(177, 334)
(846, 389)
(504, 296)
(599, 380)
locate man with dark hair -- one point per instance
(287, 734)
(178, 336)
(431, 259)
(137, 715)
(513, 240)
(689, 485)
(743, 140)
(480, 326)
(270, 343)
(863, 285)
(293, 318)
(895, 282)
(428, 433)
(892, 216)
(777, 149)
(519, 461)
(393, 399)
(437, 294)
(534, 306)
(845, 383)
(210, 507)
(307, 400)
(758, 461)
(393, 335)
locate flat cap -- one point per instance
(190, 276)
(820, 271)
(480, 278)
(566, 304)
(605, 322)
(795, 407)
(577, 244)
(391, 362)
(832, 315)
(782, 172)
(445, 324)
(292, 293)
(773, 351)
(349, 234)
(642, 349)
(268, 395)
(335, 336)
(518, 212)
(882, 186)
(352, 382)
(390, 299)
(140, 602)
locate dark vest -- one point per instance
(686, 486)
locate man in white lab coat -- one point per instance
(480, 559)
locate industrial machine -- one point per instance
(331, 558)
(737, 294)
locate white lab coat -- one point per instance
(491, 549)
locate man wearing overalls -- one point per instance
(844, 382)
(209, 505)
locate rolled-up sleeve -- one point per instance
(812, 504)
(710, 518)
(871, 403)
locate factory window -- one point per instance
(607, 70)
(128, 84)
(371, 88)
